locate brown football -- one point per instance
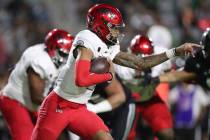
(99, 65)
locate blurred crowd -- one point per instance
(26, 22)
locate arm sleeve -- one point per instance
(85, 78)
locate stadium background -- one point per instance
(26, 22)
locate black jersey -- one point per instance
(119, 120)
(200, 65)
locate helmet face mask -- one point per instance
(106, 21)
(60, 57)
(58, 44)
(115, 35)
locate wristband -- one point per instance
(171, 53)
(103, 106)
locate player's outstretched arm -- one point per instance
(143, 63)
(115, 98)
(177, 76)
(116, 94)
(139, 63)
(171, 77)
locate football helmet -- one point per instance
(58, 44)
(205, 41)
(105, 21)
(141, 45)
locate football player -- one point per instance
(149, 103)
(65, 106)
(114, 104)
(196, 69)
(29, 81)
(119, 115)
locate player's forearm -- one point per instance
(116, 100)
(176, 76)
(139, 63)
(132, 61)
(106, 105)
(103, 106)
(36, 86)
(115, 93)
(85, 78)
(37, 95)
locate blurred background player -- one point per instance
(152, 108)
(120, 116)
(194, 65)
(71, 94)
(30, 80)
(196, 69)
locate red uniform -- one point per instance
(155, 112)
(15, 99)
(61, 114)
(20, 126)
(66, 106)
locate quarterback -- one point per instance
(65, 106)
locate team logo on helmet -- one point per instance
(111, 15)
(80, 43)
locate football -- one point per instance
(99, 65)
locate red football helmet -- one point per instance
(106, 21)
(141, 45)
(58, 44)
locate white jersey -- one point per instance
(36, 57)
(66, 87)
(125, 73)
(161, 68)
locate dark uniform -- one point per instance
(119, 120)
(200, 65)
